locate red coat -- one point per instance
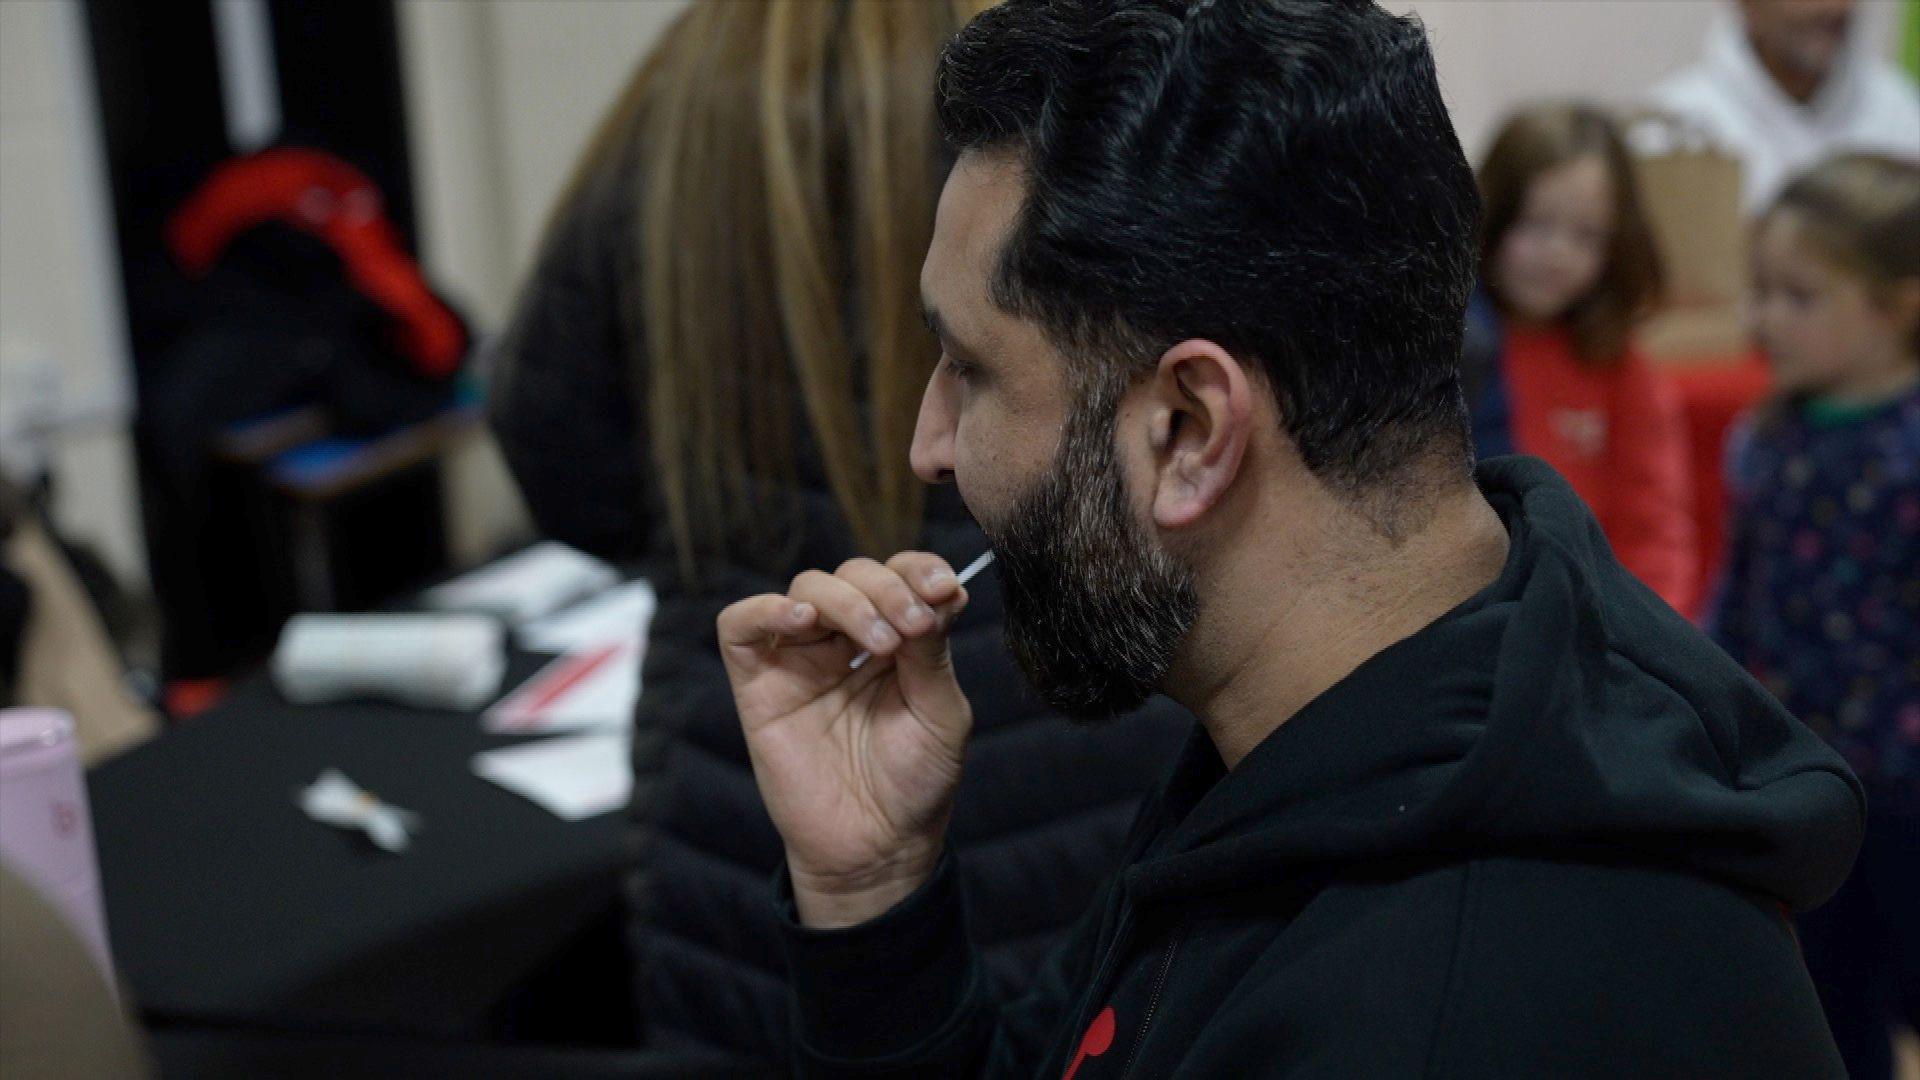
(1617, 434)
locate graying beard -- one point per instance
(1129, 604)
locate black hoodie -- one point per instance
(1555, 833)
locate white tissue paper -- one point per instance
(335, 800)
(433, 661)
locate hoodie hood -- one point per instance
(1730, 56)
(1563, 712)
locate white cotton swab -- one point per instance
(973, 568)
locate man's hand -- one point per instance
(858, 767)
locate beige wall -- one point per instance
(63, 347)
(501, 97)
(1494, 55)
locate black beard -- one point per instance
(1094, 610)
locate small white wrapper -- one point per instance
(434, 661)
(335, 800)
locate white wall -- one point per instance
(61, 322)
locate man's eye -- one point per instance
(959, 369)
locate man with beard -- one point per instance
(1464, 799)
(1786, 84)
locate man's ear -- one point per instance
(1200, 415)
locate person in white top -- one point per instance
(1784, 84)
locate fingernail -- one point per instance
(919, 617)
(880, 635)
(799, 614)
(939, 579)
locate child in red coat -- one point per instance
(1567, 268)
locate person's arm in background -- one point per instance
(564, 400)
(58, 1015)
(1652, 528)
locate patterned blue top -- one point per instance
(1821, 594)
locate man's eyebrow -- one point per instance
(941, 331)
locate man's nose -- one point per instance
(932, 453)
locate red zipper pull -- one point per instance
(1098, 1040)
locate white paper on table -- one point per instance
(592, 687)
(571, 776)
(525, 586)
(620, 613)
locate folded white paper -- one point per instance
(435, 661)
(619, 614)
(595, 686)
(525, 586)
(571, 776)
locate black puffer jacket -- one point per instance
(1044, 808)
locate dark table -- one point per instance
(228, 908)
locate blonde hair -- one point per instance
(788, 171)
(1862, 211)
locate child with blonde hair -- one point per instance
(1821, 595)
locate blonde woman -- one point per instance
(714, 371)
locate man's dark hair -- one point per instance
(1277, 176)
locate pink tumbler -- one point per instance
(46, 829)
